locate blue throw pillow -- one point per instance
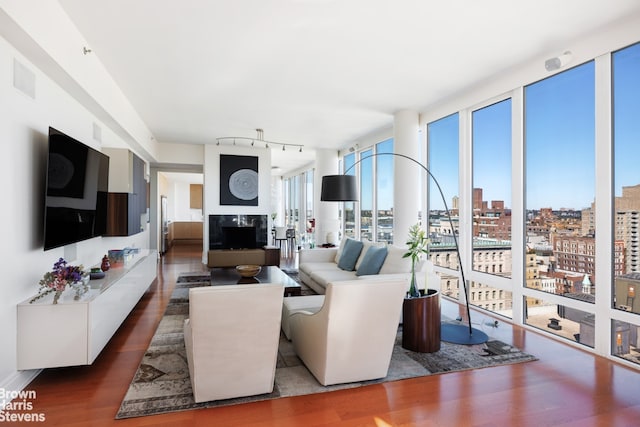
(372, 261)
(350, 254)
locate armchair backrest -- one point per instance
(351, 338)
(233, 339)
(361, 315)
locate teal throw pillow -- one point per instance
(372, 261)
(350, 254)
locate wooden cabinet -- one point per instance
(271, 255)
(186, 231)
(127, 199)
(73, 332)
(195, 196)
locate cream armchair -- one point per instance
(232, 338)
(351, 338)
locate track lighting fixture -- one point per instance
(252, 141)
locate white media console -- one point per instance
(73, 332)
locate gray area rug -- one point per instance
(161, 383)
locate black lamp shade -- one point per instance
(339, 188)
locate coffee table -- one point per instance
(268, 274)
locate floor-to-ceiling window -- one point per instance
(372, 217)
(298, 205)
(443, 149)
(626, 219)
(566, 156)
(559, 121)
(443, 137)
(384, 192)
(366, 195)
(491, 189)
(491, 204)
(349, 207)
(308, 211)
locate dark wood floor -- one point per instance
(565, 387)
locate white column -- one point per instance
(326, 213)
(407, 175)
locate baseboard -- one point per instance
(16, 382)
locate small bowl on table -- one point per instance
(248, 270)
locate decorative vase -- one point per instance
(413, 289)
(105, 263)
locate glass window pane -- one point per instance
(626, 244)
(491, 138)
(625, 341)
(366, 195)
(443, 152)
(566, 322)
(384, 192)
(349, 207)
(489, 298)
(560, 181)
(309, 193)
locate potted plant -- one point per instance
(420, 312)
(418, 244)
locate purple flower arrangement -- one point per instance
(58, 279)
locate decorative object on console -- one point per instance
(106, 265)
(418, 245)
(248, 270)
(62, 276)
(96, 273)
(344, 188)
(238, 180)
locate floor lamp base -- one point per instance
(459, 334)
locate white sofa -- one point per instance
(318, 267)
(231, 338)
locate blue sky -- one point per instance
(626, 105)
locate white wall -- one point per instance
(182, 203)
(48, 37)
(24, 123)
(184, 154)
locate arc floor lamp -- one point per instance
(344, 188)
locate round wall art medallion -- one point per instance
(243, 184)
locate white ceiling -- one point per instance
(321, 73)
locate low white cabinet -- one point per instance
(74, 332)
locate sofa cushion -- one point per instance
(323, 278)
(350, 254)
(340, 249)
(395, 263)
(310, 267)
(366, 244)
(372, 261)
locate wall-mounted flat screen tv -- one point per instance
(76, 194)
